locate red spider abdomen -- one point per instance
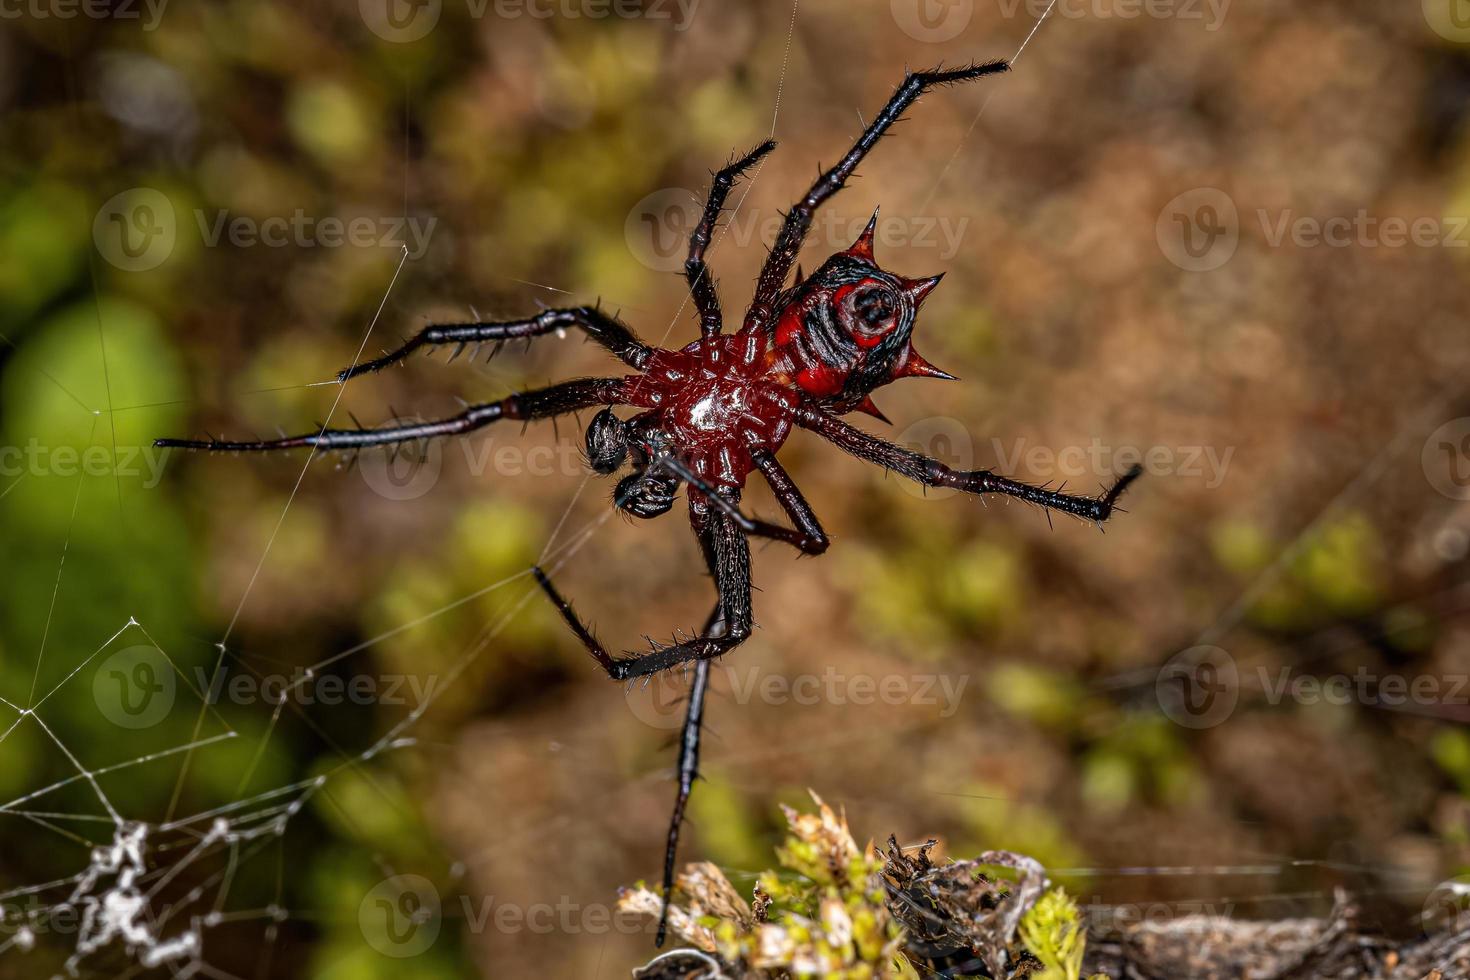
(792, 361)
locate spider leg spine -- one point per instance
(798, 220)
(524, 406)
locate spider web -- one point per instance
(153, 888)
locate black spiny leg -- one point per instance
(732, 575)
(608, 331)
(688, 767)
(807, 536)
(688, 764)
(569, 396)
(701, 283)
(569, 615)
(933, 473)
(799, 218)
(729, 562)
(688, 773)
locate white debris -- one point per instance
(113, 908)
(183, 946)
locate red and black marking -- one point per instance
(722, 407)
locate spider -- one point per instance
(712, 413)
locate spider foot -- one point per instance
(1111, 497)
(1104, 506)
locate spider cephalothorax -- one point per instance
(709, 415)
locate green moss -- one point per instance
(1052, 931)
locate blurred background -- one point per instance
(1228, 240)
